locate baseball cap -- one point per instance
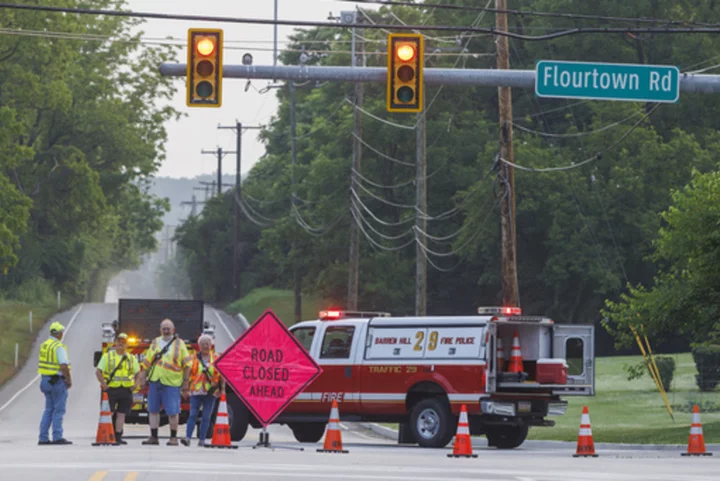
(56, 327)
(122, 335)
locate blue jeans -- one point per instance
(55, 401)
(207, 401)
(164, 397)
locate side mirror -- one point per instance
(115, 324)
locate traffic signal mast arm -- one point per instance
(691, 83)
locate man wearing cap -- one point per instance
(167, 367)
(54, 369)
(116, 372)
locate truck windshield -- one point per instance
(141, 318)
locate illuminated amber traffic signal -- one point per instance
(204, 67)
(405, 73)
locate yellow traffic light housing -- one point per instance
(405, 89)
(204, 67)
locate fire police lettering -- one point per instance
(464, 340)
(446, 340)
(386, 340)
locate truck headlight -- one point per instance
(499, 408)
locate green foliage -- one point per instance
(34, 292)
(281, 301)
(81, 131)
(707, 362)
(665, 366)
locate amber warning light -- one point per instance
(406, 52)
(205, 46)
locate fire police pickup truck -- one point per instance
(419, 371)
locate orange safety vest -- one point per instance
(199, 383)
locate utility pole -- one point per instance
(205, 189)
(293, 144)
(421, 215)
(220, 154)
(193, 203)
(238, 128)
(506, 172)
(354, 256)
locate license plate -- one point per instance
(524, 406)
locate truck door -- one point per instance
(576, 344)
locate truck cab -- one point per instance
(420, 371)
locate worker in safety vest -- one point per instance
(205, 387)
(116, 373)
(167, 367)
(54, 369)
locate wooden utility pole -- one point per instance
(421, 216)
(293, 145)
(220, 154)
(506, 174)
(354, 259)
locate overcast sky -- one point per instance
(187, 137)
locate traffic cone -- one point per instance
(463, 446)
(585, 446)
(221, 434)
(516, 363)
(696, 443)
(105, 431)
(500, 356)
(333, 439)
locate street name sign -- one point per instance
(267, 367)
(607, 81)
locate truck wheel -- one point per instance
(238, 419)
(431, 423)
(96, 358)
(405, 434)
(308, 432)
(507, 437)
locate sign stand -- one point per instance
(264, 442)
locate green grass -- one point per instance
(15, 327)
(281, 301)
(633, 412)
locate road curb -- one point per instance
(393, 434)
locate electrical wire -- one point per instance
(380, 186)
(378, 198)
(373, 241)
(381, 154)
(379, 119)
(597, 156)
(384, 236)
(356, 197)
(577, 134)
(301, 23)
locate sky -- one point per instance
(190, 135)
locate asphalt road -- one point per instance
(370, 457)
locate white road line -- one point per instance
(232, 338)
(17, 394)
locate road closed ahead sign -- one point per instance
(267, 367)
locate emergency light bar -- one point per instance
(335, 314)
(502, 311)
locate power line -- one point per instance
(531, 13)
(301, 23)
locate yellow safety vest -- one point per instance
(169, 369)
(125, 375)
(48, 364)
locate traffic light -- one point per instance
(204, 67)
(405, 73)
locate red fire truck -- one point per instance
(419, 371)
(140, 319)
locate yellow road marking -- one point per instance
(98, 476)
(131, 476)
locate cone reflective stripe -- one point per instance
(585, 445)
(333, 437)
(516, 363)
(462, 448)
(696, 442)
(221, 434)
(106, 431)
(500, 355)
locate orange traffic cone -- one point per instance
(500, 356)
(463, 446)
(585, 446)
(516, 363)
(221, 434)
(696, 443)
(105, 431)
(333, 439)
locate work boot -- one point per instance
(151, 441)
(185, 441)
(44, 443)
(173, 442)
(201, 443)
(62, 441)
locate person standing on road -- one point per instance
(205, 387)
(116, 372)
(54, 369)
(167, 367)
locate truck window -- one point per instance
(305, 335)
(337, 342)
(574, 348)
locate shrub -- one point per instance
(707, 362)
(665, 366)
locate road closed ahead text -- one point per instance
(267, 367)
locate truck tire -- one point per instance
(239, 418)
(308, 432)
(405, 434)
(507, 437)
(431, 423)
(96, 358)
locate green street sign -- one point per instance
(607, 81)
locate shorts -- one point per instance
(165, 397)
(121, 399)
